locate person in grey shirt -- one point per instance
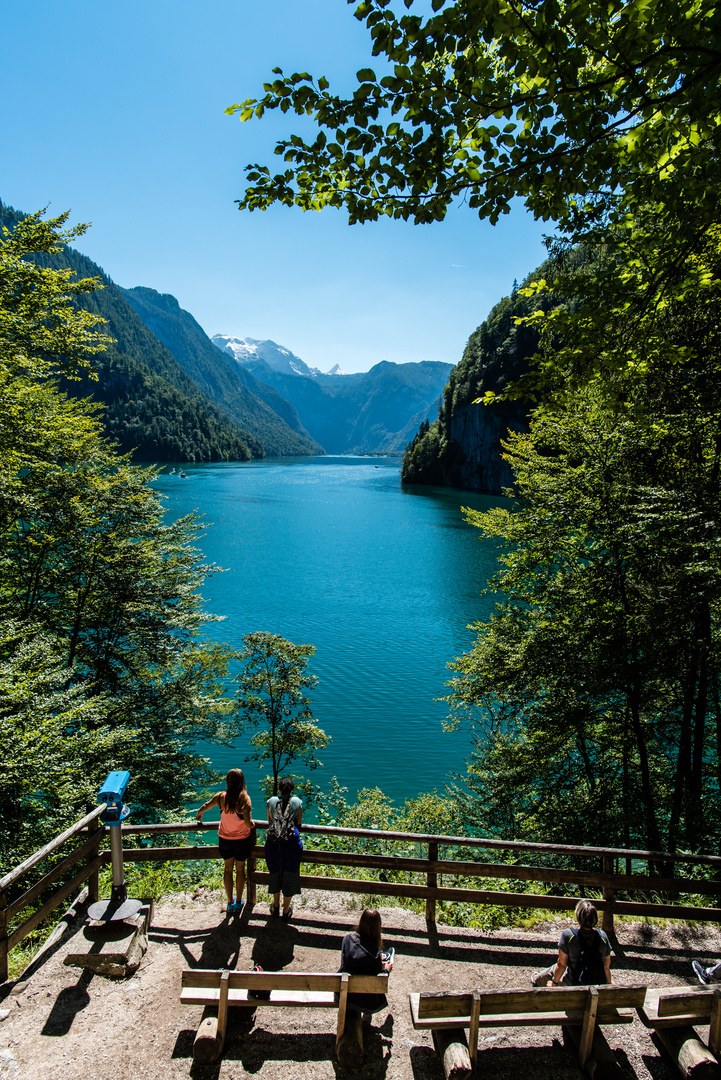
(584, 954)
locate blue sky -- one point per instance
(116, 112)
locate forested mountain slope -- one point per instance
(462, 448)
(151, 406)
(256, 407)
(367, 412)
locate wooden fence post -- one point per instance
(608, 894)
(250, 878)
(431, 881)
(4, 969)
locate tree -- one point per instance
(271, 696)
(596, 681)
(102, 659)
(615, 103)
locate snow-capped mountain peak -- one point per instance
(246, 350)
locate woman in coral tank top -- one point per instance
(235, 833)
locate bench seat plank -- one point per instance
(324, 982)
(207, 995)
(514, 1019)
(540, 999)
(510, 1008)
(676, 1006)
(309, 990)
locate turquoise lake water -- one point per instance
(382, 578)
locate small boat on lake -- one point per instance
(184, 476)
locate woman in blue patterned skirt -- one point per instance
(284, 847)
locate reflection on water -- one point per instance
(382, 579)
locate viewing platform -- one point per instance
(64, 1024)
(69, 1014)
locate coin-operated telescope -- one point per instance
(118, 906)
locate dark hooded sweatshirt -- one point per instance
(362, 958)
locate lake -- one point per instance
(382, 578)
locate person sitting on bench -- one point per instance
(584, 955)
(362, 954)
(706, 975)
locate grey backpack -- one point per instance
(281, 827)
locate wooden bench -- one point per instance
(300, 990)
(673, 1012)
(580, 1009)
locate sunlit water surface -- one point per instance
(382, 579)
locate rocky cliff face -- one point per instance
(477, 432)
(463, 447)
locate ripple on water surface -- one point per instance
(382, 579)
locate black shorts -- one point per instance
(236, 849)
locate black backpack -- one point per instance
(589, 970)
(281, 828)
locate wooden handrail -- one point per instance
(430, 867)
(57, 871)
(33, 860)
(433, 867)
(451, 841)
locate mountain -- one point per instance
(248, 350)
(462, 449)
(367, 412)
(256, 407)
(152, 408)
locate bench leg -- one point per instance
(714, 1032)
(589, 1026)
(692, 1058)
(602, 1064)
(349, 1047)
(210, 1037)
(453, 1052)
(473, 1028)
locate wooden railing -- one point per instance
(88, 851)
(600, 877)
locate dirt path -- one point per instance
(63, 1024)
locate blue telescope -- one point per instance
(118, 906)
(112, 793)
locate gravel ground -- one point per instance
(60, 1023)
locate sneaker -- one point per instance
(389, 954)
(238, 905)
(230, 908)
(535, 977)
(275, 911)
(701, 972)
(287, 914)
